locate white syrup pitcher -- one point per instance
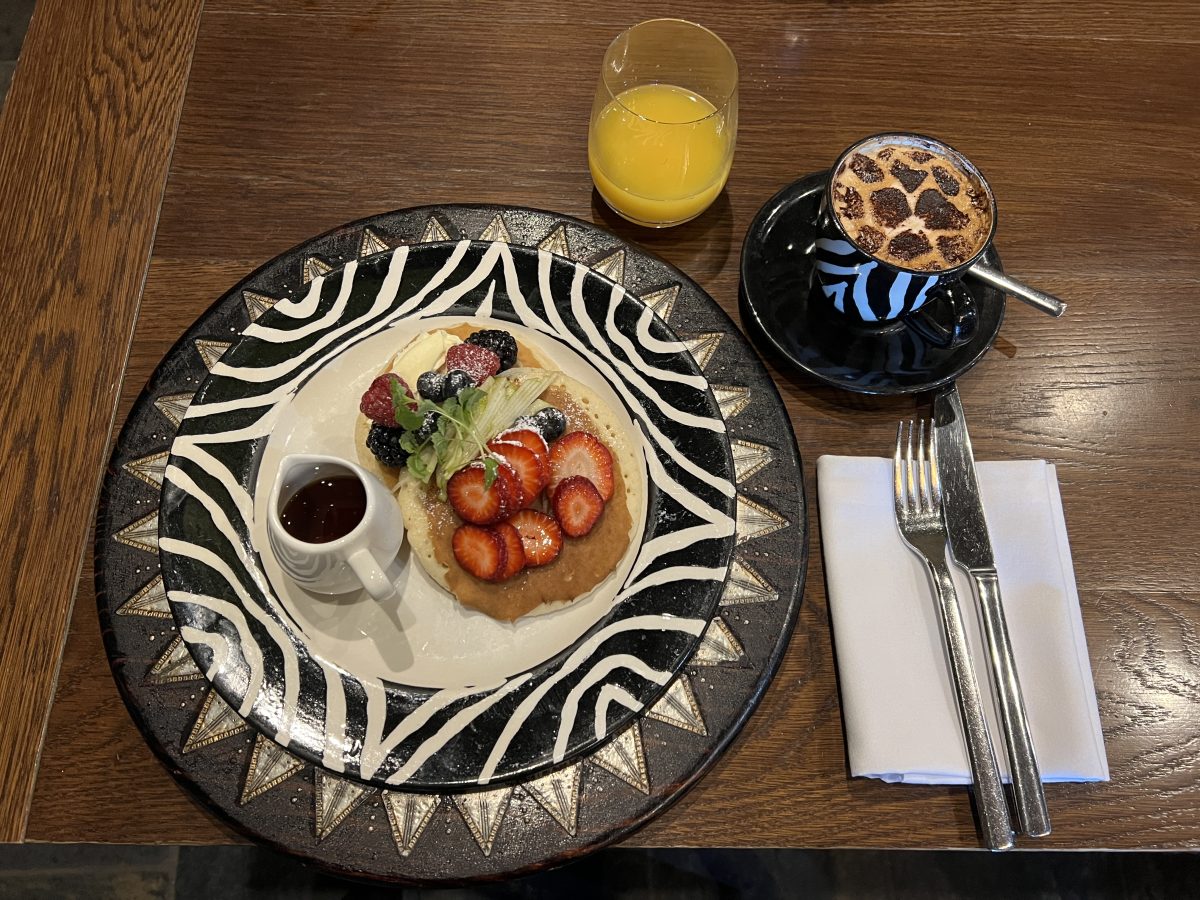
(333, 526)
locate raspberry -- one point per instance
(478, 362)
(376, 403)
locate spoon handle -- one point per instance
(1035, 298)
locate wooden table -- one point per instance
(153, 153)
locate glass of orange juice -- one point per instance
(664, 122)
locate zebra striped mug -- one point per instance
(901, 220)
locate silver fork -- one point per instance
(918, 493)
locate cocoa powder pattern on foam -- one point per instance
(904, 211)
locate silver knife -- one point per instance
(971, 549)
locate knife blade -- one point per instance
(971, 549)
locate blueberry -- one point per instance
(457, 381)
(503, 344)
(384, 444)
(551, 423)
(428, 427)
(432, 386)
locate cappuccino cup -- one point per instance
(903, 217)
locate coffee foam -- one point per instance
(908, 203)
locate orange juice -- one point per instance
(659, 154)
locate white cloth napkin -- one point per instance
(901, 720)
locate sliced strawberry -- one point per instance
(580, 453)
(376, 403)
(577, 505)
(527, 437)
(532, 470)
(476, 503)
(478, 362)
(514, 550)
(540, 535)
(482, 552)
(512, 487)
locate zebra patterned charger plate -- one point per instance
(362, 752)
(787, 316)
(334, 680)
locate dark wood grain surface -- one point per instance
(86, 136)
(301, 116)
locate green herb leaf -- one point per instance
(405, 416)
(490, 468)
(422, 464)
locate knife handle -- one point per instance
(990, 802)
(1032, 815)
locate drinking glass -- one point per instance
(664, 122)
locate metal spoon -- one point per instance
(1035, 298)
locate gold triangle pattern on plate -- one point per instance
(315, 267)
(257, 304)
(556, 242)
(678, 707)
(483, 811)
(612, 266)
(174, 406)
(216, 721)
(142, 534)
(746, 586)
(409, 814)
(149, 469)
(558, 794)
(662, 301)
(174, 664)
(754, 520)
(335, 799)
(497, 230)
(270, 765)
(703, 346)
(749, 458)
(718, 645)
(625, 757)
(371, 244)
(730, 398)
(149, 601)
(211, 351)
(434, 231)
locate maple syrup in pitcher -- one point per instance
(325, 509)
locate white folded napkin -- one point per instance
(901, 720)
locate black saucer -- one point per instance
(782, 313)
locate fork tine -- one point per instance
(897, 476)
(935, 482)
(925, 503)
(913, 502)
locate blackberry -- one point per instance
(384, 443)
(503, 344)
(432, 386)
(457, 381)
(428, 427)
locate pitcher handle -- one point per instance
(367, 568)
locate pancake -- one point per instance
(583, 564)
